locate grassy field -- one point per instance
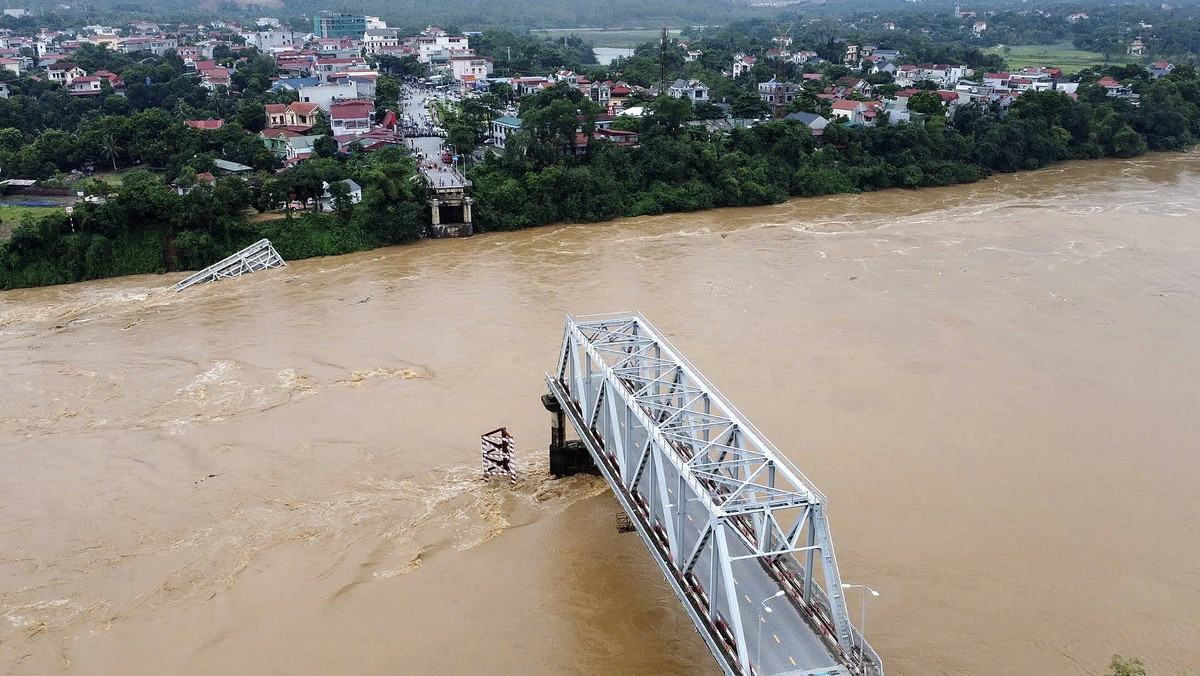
(10, 216)
(1062, 55)
(609, 37)
(116, 178)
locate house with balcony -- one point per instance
(64, 72)
(742, 64)
(694, 90)
(323, 67)
(778, 94)
(351, 117)
(84, 86)
(297, 115)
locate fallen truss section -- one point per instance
(258, 256)
(715, 502)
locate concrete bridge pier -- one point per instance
(443, 208)
(566, 457)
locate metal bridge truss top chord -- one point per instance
(258, 256)
(719, 499)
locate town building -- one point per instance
(742, 64)
(778, 94)
(209, 124)
(354, 194)
(324, 66)
(84, 86)
(268, 41)
(689, 89)
(64, 72)
(501, 128)
(376, 40)
(1159, 69)
(324, 95)
(470, 67)
(857, 112)
(297, 115)
(814, 122)
(351, 117)
(155, 45)
(438, 44)
(330, 25)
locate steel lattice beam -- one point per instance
(258, 256)
(674, 448)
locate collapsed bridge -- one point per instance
(737, 530)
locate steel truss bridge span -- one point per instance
(736, 528)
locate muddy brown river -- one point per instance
(997, 386)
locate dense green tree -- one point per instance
(325, 146)
(926, 103)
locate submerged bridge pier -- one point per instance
(741, 535)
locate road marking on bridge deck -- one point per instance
(792, 659)
(747, 598)
(689, 516)
(777, 638)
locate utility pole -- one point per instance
(778, 95)
(662, 63)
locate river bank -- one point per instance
(310, 235)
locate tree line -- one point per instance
(681, 167)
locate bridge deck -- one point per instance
(722, 513)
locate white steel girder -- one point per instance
(258, 256)
(673, 440)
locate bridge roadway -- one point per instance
(650, 417)
(780, 641)
(427, 147)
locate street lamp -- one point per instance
(762, 620)
(862, 634)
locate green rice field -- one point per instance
(1063, 55)
(609, 37)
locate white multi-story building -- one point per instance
(268, 41)
(470, 67)
(376, 40)
(325, 95)
(430, 45)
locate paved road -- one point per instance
(428, 149)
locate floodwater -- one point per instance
(605, 56)
(995, 384)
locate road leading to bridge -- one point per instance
(726, 517)
(426, 146)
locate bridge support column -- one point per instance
(566, 457)
(467, 210)
(435, 215)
